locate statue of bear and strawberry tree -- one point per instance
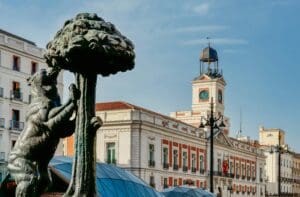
(88, 46)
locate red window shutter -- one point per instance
(170, 181)
(170, 154)
(189, 157)
(197, 159)
(180, 155)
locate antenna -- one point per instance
(240, 130)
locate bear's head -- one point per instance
(43, 83)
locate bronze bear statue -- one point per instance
(46, 122)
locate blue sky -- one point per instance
(257, 42)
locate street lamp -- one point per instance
(212, 122)
(278, 149)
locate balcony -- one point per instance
(202, 171)
(243, 176)
(1, 92)
(151, 163)
(175, 167)
(2, 123)
(184, 168)
(237, 176)
(16, 95)
(194, 169)
(253, 178)
(166, 166)
(16, 125)
(248, 178)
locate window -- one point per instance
(151, 155)
(231, 170)
(184, 158)
(219, 165)
(110, 153)
(152, 181)
(16, 63)
(237, 169)
(13, 142)
(16, 91)
(253, 171)
(175, 182)
(201, 163)
(175, 159)
(33, 68)
(261, 174)
(248, 171)
(165, 182)
(243, 170)
(193, 163)
(165, 156)
(15, 123)
(2, 156)
(15, 115)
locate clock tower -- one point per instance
(208, 87)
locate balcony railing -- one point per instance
(243, 176)
(151, 163)
(16, 95)
(165, 165)
(184, 168)
(253, 178)
(175, 166)
(1, 92)
(237, 176)
(16, 125)
(261, 179)
(248, 178)
(2, 123)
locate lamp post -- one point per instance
(279, 150)
(212, 123)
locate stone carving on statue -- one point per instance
(46, 122)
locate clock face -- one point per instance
(220, 96)
(203, 95)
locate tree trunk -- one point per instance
(83, 180)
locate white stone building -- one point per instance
(168, 151)
(19, 59)
(271, 138)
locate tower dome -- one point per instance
(209, 62)
(208, 55)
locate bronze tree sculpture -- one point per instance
(46, 123)
(87, 46)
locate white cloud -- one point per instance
(196, 29)
(220, 41)
(201, 9)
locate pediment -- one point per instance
(221, 138)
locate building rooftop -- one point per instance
(121, 105)
(16, 37)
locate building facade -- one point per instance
(19, 59)
(296, 174)
(288, 164)
(169, 151)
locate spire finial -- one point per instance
(208, 39)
